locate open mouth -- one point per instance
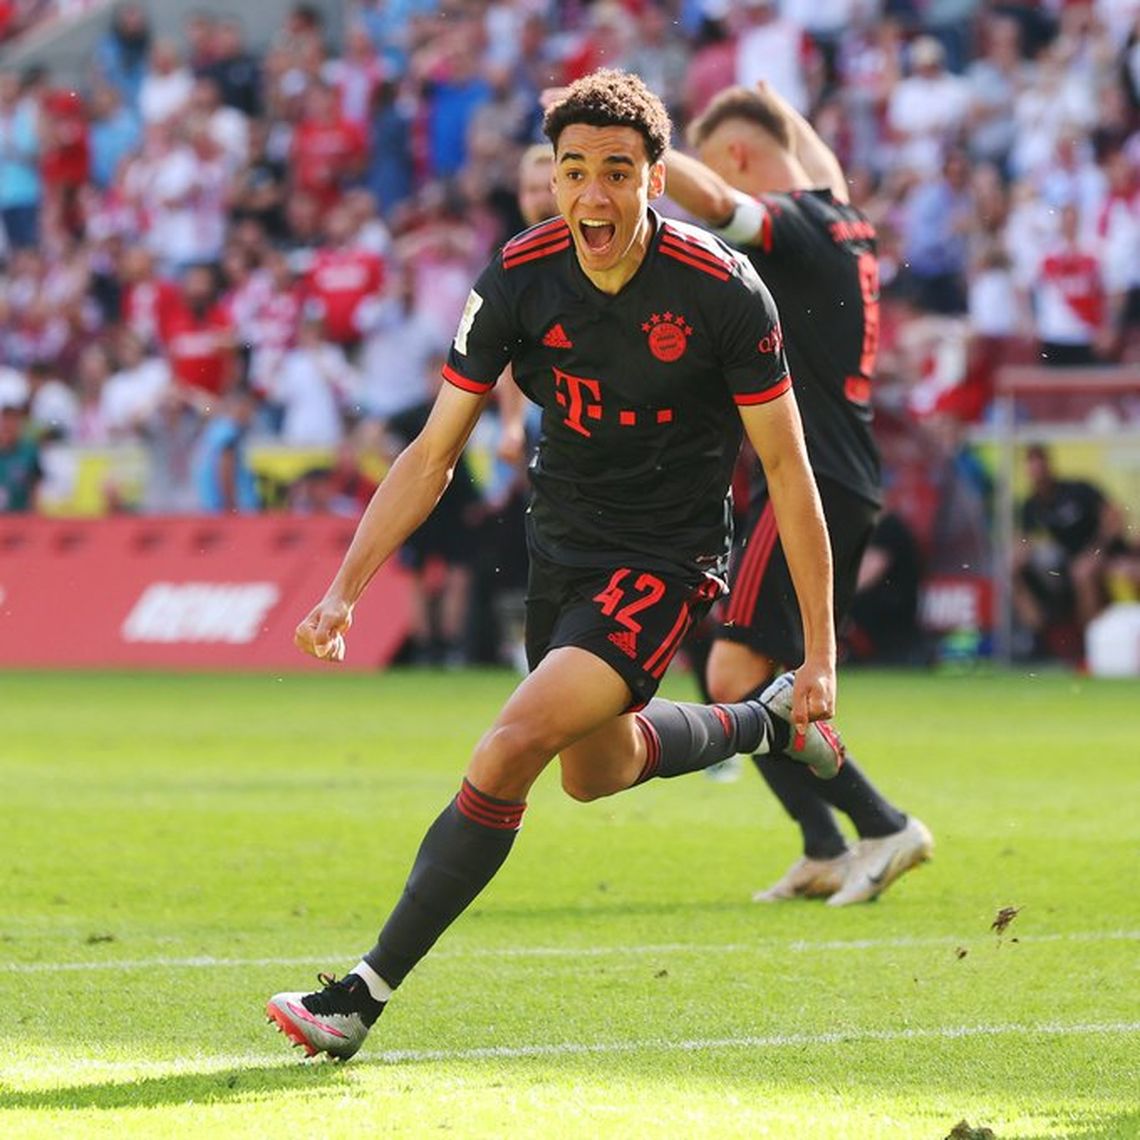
(597, 235)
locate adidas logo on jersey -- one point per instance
(556, 338)
(626, 641)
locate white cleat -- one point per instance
(876, 863)
(820, 748)
(334, 1020)
(807, 879)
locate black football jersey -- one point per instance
(638, 390)
(817, 256)
(1070, 514)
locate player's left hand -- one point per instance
(813, 697)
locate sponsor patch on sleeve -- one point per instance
(474, 304)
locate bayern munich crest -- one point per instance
(668, 336)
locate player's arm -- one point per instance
(775, 430)
(735, 216)
(698, 189)
(815, 156)
(405, 498)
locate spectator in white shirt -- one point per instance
(772, 49)
(313, 381)
(927, 109)
(187, 193)
(132, 395)
(166, 87)
(227, 126)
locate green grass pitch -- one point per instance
(176, 848)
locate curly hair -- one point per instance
(609, 98)
(746, 103)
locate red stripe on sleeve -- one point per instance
(464, 382)
(769, 394)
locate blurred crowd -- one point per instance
(207, 246)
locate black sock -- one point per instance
(854, 795)
(681, 737)
(799, 793)
(459, 856)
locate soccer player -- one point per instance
(769, 184)
(647, 344)
(536, 196)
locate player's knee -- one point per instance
(584, 790)
(733, 674)
(721, 689)
(726, 685)
(508, 754)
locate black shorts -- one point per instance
(761, 610)
(444, 534)
(632, 619)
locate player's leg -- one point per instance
(763, 628)
(633, 621)
(662, 740)
(419, 613)
(735, 671)
(568, 696)
(453, 606)
(1087, 574)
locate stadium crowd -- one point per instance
(206, 247)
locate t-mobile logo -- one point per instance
(581, 398)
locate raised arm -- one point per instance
(816, 157)
(776, 433)
(698, 189)
(405, 498)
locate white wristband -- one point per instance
(746, 221)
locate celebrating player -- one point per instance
(647, 343)
(769, 184)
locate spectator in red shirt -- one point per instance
(1069, 298)
(328, 150)
(65, 159)
(198, 335)
(342, 275)
(275, 321)
(145, 295)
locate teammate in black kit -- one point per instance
(647, 344)
(769, 184)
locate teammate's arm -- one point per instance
(816, 157)
(775, 430)
(698, 189)
(405, 498)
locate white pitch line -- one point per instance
(773, 1041)
(208, 962)
(60, 1066)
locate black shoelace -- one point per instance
(345, 996)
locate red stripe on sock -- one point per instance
(721, 714)
(652, 750)
(505, 815)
